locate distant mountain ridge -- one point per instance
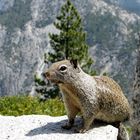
(129, 5)
(24, 28)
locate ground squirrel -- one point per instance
(96, 97)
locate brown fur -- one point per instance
(97, 97)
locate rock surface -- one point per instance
(41, 127)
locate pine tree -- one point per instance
(70, 43)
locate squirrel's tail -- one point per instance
(122, 133)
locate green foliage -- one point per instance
(39, 81)
(23, 105)
(70, 43)
(45, 91)
(129, 130)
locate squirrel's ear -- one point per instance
(74, 62)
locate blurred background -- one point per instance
(110, 25)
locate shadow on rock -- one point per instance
(53, 127)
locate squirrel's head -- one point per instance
(62, 71)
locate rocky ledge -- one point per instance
(41, 127)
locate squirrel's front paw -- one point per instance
(66, 126)
(80, 130)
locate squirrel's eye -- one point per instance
(63, 68)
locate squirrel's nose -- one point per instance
(43, 74)
(46, 74)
